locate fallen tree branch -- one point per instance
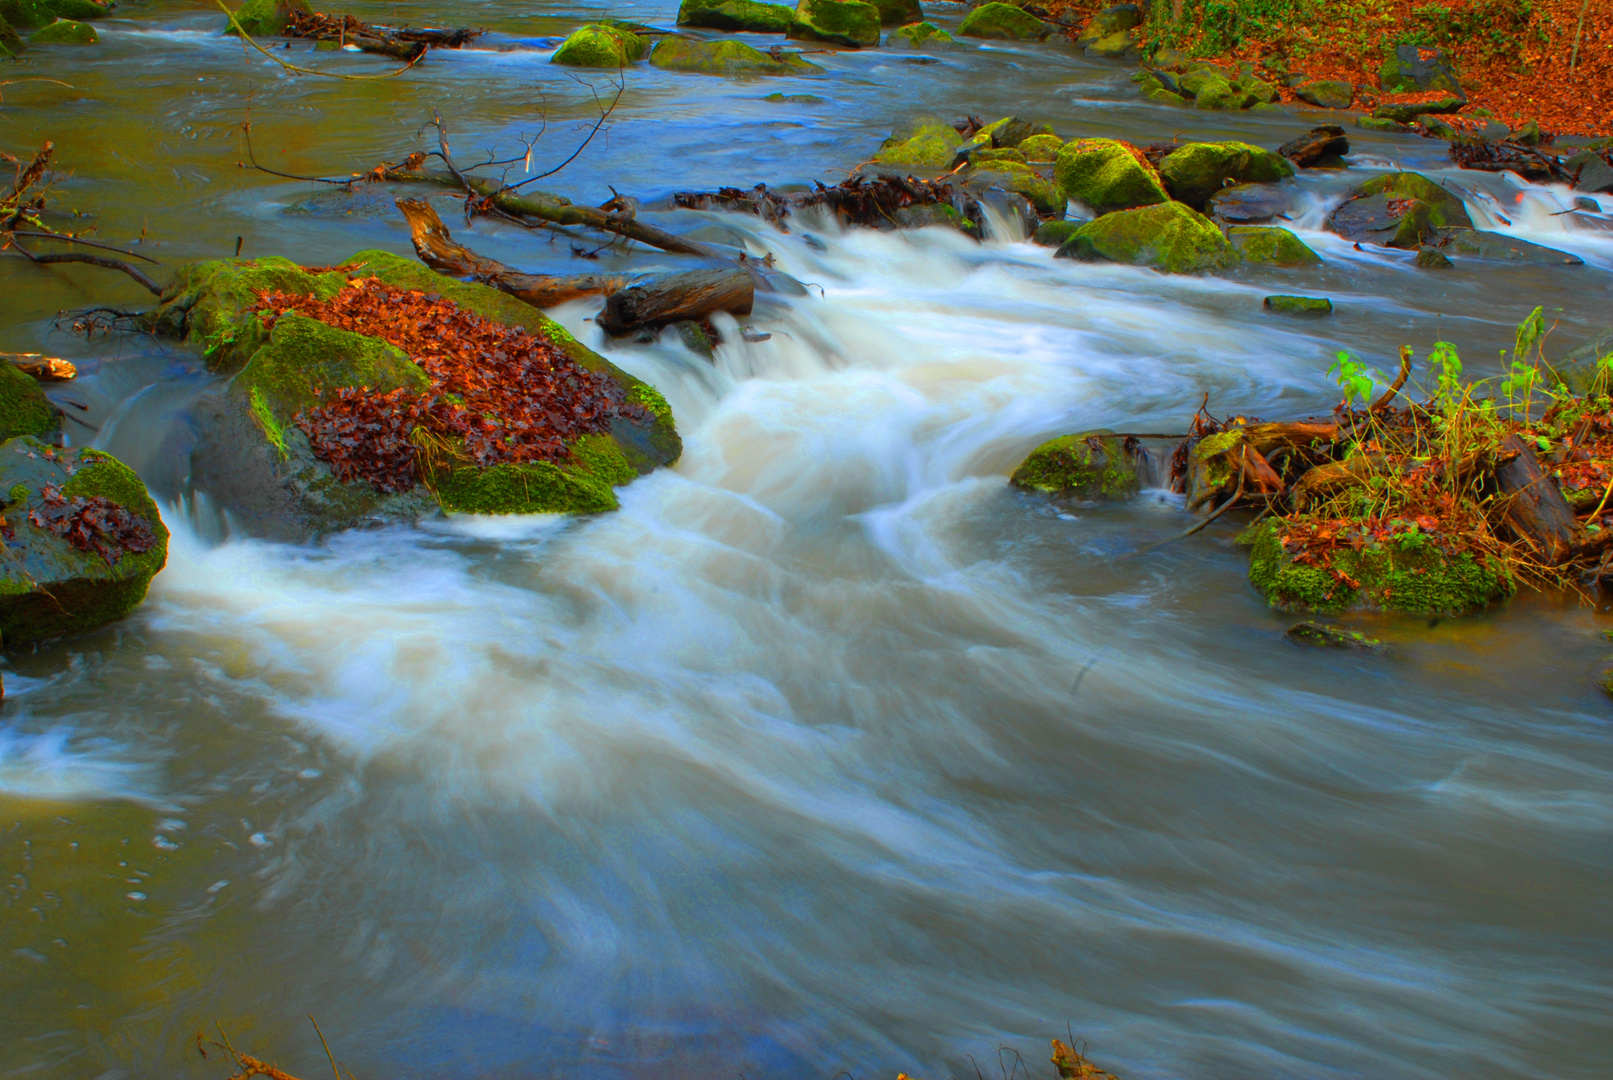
(93, 260)
(247, 39)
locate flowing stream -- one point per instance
(829, 750)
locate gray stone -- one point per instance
(1248, 204)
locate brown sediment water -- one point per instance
(827, 750)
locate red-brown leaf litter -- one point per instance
(498, 393)
(92, 523)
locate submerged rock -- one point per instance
(65, 32)
(600, 45)
(727, 58)
(1481, 244)
(924, 36)
(1271, 246)
(1410, 574)
(83, 541)
(254, 460)
(732, 15)
(1105, 175)
(1089, 466)
(265, 18)
(1321, 635)
(1399, 210)
(1299, 305)
(927, 142)
(1003, 22)
(1196, 171)
(1167, 236)
(838, 22)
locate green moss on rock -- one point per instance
(26, 14)
(1168, 237)
(48, 588)
(1003, 22)
(81, 10)
(600, 45)
(1299, 305)
(726, 58)
(1196, 171)
(305, 359)
(1041, 148)
(265, 18)
(1021, 178)
(1326, 93)
(66, 32)
(1416, 578)
(922, 36)
(1105, 175)
(1089, 465)
(583, 485)
(899, 12)
(1054, 233)
(736, 15)
(1271, 246)
(837, 22)
(927, 142)
(207, 302)
(24, 408)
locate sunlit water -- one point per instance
(828, 750)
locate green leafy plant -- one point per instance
(1355, 379)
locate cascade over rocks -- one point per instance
(1398, 210)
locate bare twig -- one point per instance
(246, 39)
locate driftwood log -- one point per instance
(42, 367)
(1536, 509)
(398, 43)
(669, 298)
(438, 250)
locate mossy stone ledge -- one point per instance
(925, 142)
(1106, 175)
(1003, 22)
(66, 32)
(923, 36)
(1269, 245)
(837, 22)
(1196, 171)
(726, 58)
(601, 45)
(253, 460)
(736, 15)
(48, 587)
(1167, 237)
(24, 408)
(1088, 466)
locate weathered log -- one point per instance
(668, 298)
(1536, 510)
(556, 211)
(42, 367)
(438, 250)
(1266, 437)
(401, 44)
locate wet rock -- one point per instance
(1431, 258)
(1218, 93)
(899, 12)
(736, 15)
(1398, 210)
(1248, 204)
(1373, 123)
(1582, 369)
(1529, 134)
(10, 42)
(727, 58)
(982, 155)
(1042, 148)
(1591, 172)
(265, 18)
(837, 22)
(793, 99)
(1117, 46)
(600, 45)
(1408, 69)
(1196, 171)
(1327, 93)
(1167, 237)
(1482, 244)
(922, 36)
(254, 461)
(83, 541)
(1105, 175)
(1021, 178)
(1110, 21)
(696, 338)
(927, 142)
(78, 9)
(24, 408)
(1054, 233)
(65, 32)
(1321, 635)
(26, 14)
(1088, 466)
(1011, 131)
(1003, 22)
(1271, 246)
(1309, 306)
(1432, 127)
(1404, 112)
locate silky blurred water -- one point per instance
(828, 751)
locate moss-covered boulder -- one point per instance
(24, 408)
(1041, 148)
(727, 58)
(1110, 21)
(1054, 233)
(1217, 93)
(82, 539)
(254, 460)
(65, 32)
(837, 22)
(26, 14)
(1168, 237)
(81, 10)
(1018, 177)
(1306, 306)
(1409, 573)
(923, 36)
(899, 12)
(1402, 209)
(736, 15)
(926, 142)
(265, 18)
(10, 42)
(1105, 175)
(1271, 246)
(600, 45)
(1409, 69)
(1089, 466)
(1326, 93)
(1003, 22)
(1196, 171)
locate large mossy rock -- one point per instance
(1003, 22)
(66, 32)
(600, 45)
(1406, 70)
(1196, 171)
(1402, 209)
(1111, 21)
(26, 14)
(1089, 466)
(253, 460)
(265, 18)
(11, 42)
(1326, 93)
(24, 408)
(922, 36)
(736, 15)
(1168, 237)
(1271, 246)
(1404, 112)
(899, 12)
(926, 142)
(50, 586)
(1105, 175)
(81, 10)
(1021, 178)
(1408, 574)
(727, 58)
(837, 22)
